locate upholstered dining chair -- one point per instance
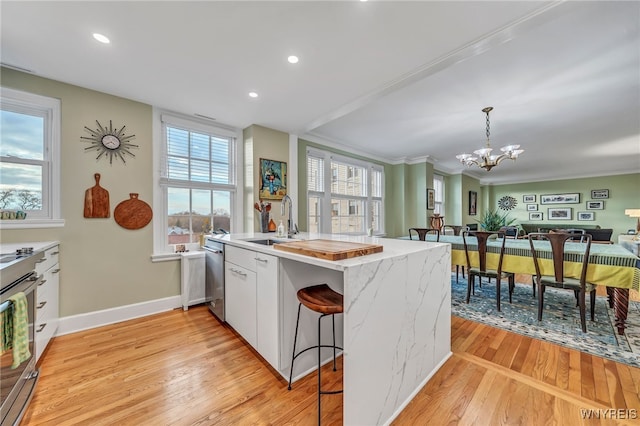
(455, 230)
(509, 231)
(421, 233)
(576, 234)
(558, 279)
(481, 270)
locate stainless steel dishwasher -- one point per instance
(214, 277)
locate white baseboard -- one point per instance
(86, 321)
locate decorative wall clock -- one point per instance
(507, 202)
(109, 142)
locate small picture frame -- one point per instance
(586, 215)
(529, 198)
(599, 194)
(535, 216)
(431, 199)
(473, 203)
(273, 179)
(532, 207)
(560, 214)
(595, 205)
(570, 198)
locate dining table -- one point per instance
(610, 265)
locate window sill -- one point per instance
(31, 223)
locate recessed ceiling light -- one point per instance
(293, 59)
(253, 94)
(101, 38)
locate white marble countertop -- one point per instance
(392, 248)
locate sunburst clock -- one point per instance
(109, 142)
(507, 202)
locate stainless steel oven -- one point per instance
(17, 383)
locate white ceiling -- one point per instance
(397, 81)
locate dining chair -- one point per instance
(509, 231)
(481, 270)
(576, 234)
(558, 279)
(456, 230)
(421, 233)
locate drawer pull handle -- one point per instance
(41, 304)
(55, 253)
(55, 271)
(238, 272)
(42, 326)
(42, 282)
(44, 259)
(262, 260)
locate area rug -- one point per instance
(560, 320)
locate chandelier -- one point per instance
(483, 157)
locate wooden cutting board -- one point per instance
(96, 200)
(133, 213)
(329, 249)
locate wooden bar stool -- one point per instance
(323, 300)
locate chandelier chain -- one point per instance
(488, 132)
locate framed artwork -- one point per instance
(586, 215)
(528, 198)
(599, 193)
(431, 199)
(535, 216)
(473, 203)
(560, 214)
(532, 207)
(273, 179)
(595, 205)
(573, 198)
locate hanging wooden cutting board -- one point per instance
(96, 200)
(133, 213)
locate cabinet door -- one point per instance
(267, 308)
(240, 301)
(47, 315)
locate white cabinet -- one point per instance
(192, 278)
(47, 299)
(251, 299)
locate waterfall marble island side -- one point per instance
(396, 326)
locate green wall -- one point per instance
(102, 264)
(624, 193)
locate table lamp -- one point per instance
(634, 213)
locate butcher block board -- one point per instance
(329, 249)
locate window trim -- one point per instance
(161, 248)
(326, 196)
(51, 184)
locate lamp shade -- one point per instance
(632, 212)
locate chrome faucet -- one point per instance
(291, 227)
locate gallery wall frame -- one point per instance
(599, 194)
(568, 198)
(532, 207)
(431, 199)
(595, 205)
(586, 215)
(529, 198)
(565, 213)
(535, 216)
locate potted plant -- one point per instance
(493, 220)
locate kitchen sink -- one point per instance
(272, 241)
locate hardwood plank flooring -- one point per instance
(187, 368)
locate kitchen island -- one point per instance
(396, 326)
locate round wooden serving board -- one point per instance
(133, 213)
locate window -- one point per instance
(350, 201)
(198, 178)
(438, 186)
(30, 156)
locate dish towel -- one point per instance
(15, 329)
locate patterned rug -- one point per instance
(560, 320)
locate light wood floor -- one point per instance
(186, 368)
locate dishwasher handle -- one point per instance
(214, 251)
